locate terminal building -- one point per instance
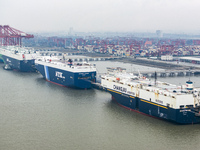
(194, 60)
(167, 57)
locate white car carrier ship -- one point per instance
(69, 74)
(18, 58)
(179, 104)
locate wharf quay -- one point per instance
(161, 73)
(158, 63)
(169, 69)
(54, 52)
(75, 56)
(169, 73)
(80, 59)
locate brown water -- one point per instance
(38, 115)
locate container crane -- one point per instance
(12, 36)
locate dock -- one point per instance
(169, 73)
(75, 56)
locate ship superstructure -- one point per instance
(179, 104)
(18, 58)
(76, 75)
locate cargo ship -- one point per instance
(1, 60)
(18, 58)
(178, 104)
(68, 74)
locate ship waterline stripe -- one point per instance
(114, 91)
(153, 104)
(140, 99)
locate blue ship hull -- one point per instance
(1, 60)
(68, 79)
(180, 116)
(20, 65)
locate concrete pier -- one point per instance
(74, 56)
(169, 73)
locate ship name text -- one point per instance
(60, 75)
(131, 93)
(83, 74)
(122, 89)
(159, 101)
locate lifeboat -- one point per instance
(118, 79)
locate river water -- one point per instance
(38, 115)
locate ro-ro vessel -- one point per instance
(179, 104)
(69, 74)
(18, 58)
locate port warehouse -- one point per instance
(194, 60)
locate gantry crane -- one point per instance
(12, 36)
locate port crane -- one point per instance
(12, 36)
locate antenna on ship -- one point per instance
(70, 62)
(189, 73)
(63, 58)
(131, 68)
(139, 73)
(155, 77)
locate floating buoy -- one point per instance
(117, 79)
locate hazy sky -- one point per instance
(101, 15)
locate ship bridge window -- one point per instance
(189, 106)
(134, 78)
(84, 77)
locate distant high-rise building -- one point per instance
(159, 33)
(70, 31)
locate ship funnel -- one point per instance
(189, 85)
(70, 62)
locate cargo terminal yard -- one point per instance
(171, 68)
(128, 49)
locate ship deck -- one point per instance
(132, 80)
